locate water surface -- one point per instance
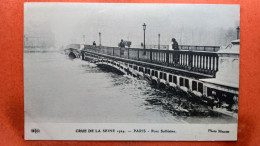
(58, 89)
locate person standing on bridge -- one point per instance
(175, 45)
(94, 44)
(121, 44)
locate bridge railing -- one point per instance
(200, 48)
(201, 62)
(186, 47)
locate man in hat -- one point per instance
(175, 45)
(121, 44)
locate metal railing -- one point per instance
(199, 48)
(201, 62)
(186, 47)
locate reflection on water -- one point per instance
(58, 89)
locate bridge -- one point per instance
(193, 72)
(73, 50)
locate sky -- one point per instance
(190, 24)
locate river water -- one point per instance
(58, 89)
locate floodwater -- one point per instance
(58, 89)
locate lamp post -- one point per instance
(144, 27)
(238, 32)
(159, 41)
(99, 38)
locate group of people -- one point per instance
(173, 46)
(121, 44)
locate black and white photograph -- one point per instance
(125, 71)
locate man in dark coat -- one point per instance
(175, 45)
(121, 44)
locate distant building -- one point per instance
(38, 38)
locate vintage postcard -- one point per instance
(110, 71)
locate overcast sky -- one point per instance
(70, 21)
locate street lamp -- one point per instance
(99, 38)
(144, 27)
(159, 41)
(238, 32)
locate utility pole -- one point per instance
(159, 41)
(99, 38)
(144, 27)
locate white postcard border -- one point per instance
(130, 131)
